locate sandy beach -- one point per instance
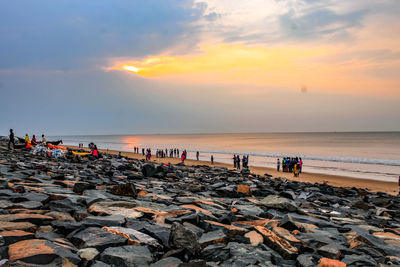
(334, 180)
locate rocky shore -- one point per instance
(108, 212)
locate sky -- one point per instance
(199, 66)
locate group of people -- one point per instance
(236, 161)
(289, 164)
(28, 142)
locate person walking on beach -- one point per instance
(234, 161)
(212, 159)
(44, 140)
(11, 139)
(197, 155)
(278, 165)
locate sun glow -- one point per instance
(131, 68)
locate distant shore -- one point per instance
(334, 180)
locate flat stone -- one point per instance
(39, 251)
(167, 262)
(14, 236)
(255, 238)
(126, 256)
(60, 216)
(325, 262)
(32, 218)
(122, 208)
(111, 220)
(133, 236)
(24, 226)
(280, 245)
(88, 253)
(277, 202)
(243, 189)
(127, 189)
(213, 237)
(97, 238)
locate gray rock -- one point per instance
(127, 256)
(96, 238)
(276, 202)
(181, 237)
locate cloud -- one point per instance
(72, 34)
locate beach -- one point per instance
(320, 178)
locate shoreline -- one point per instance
(320, 178)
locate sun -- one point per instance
(131, 68)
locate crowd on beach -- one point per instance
(289, 164)
(26, 142)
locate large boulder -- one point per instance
(182, 237)
(148, 170)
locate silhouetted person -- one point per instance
(11, 139)
(197, 155)
(212, 159)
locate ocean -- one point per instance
(370, 155)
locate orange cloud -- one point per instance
(288, 66)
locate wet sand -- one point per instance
(334, 180)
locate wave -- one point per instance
(387, 162)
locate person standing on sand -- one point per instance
(212, 159)
(197, 155)
(44, 140)
(295, 170)
(11, 139)
(278, 165)
(234, 161)
(237, 162)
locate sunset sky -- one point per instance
(173, 66)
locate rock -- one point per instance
(331, 251)
(60, 216)
(127, 189)
(167, 262)
(255, 238)
(181, 237)
(288, 223)
(134, 237)
(325, 262)
(32, 218)
(148, 170)
(305, 260)
(122, 208)
(280, 245)
(24, 226)
(80, 187)
(88, 253)
(39, 251)
(216, 252)
(276, 202)
(111, 220)
(97, 238)
(13, 236)
(243, 189)
(214, 237)
(127, 256)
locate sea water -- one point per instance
(371, 155)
